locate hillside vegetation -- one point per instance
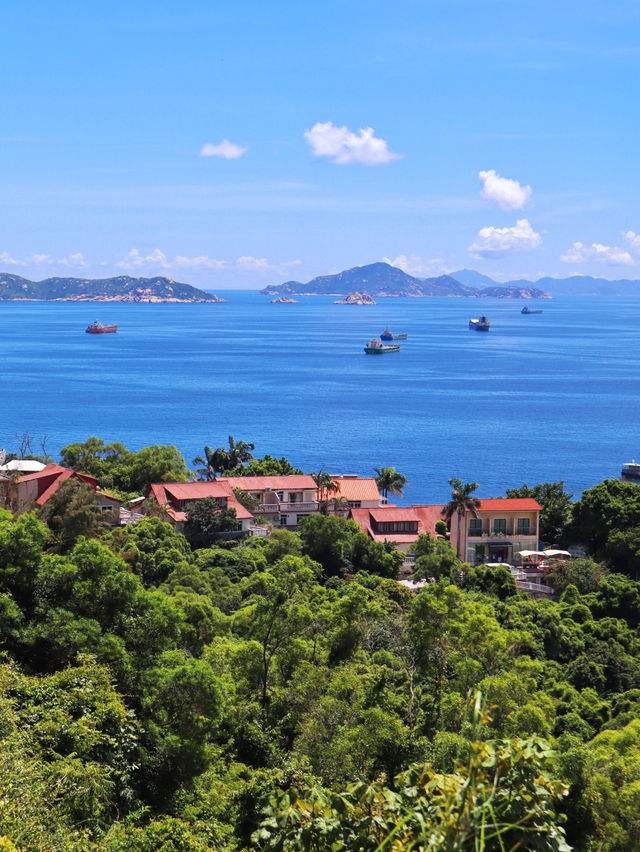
(287, 693)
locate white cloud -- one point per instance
(634, 240)
(415, 265)
(506, 193)
(225, 149)
(7, 260)
(135, 260)
(611, 255)
(497, 242)
(74, 260)
(343, 146)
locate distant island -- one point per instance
(382, 279)
(283, 300)
(356, 299)
(14, 288)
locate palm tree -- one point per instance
(208, 464)
(338, 506)
(461, 502)
(220, 460)
(239, 452)
(389, 481)
(325, 484)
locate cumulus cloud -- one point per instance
(634, 240)
(506, 193)
(611, 255)
(158, 259)
(134, 260)
(343, 146)
(497, 242)
(225, 149)
(75, 260)
(415, 265)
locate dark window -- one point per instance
(499, 525)
(524, 525)
(475, 526)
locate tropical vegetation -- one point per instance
(287, 692)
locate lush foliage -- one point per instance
(288, 693)
(556, 508)
(119, 468)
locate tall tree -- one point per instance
(390, 481)
(325, 485)
(213, 461)
(221, 460)
(556, 508)
(462, 501)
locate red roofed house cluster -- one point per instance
(500, 528)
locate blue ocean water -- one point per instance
(542, 397)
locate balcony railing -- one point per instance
(299, 507)
(508, 533)
(282, 507)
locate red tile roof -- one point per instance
(295, 482)
(356, 488)
(510, 504)
(198, 490)
(162, 492)
(51, 477)
(383, 514)
(53, 487)
(52, 469)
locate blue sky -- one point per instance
(235, 145)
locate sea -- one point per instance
(546, 397)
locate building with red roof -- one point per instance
(284, 501)
(399, 524)
(34, 490)
(173, 498)
(360, 492)
(500, 528)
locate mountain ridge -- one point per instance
(122, 288)
(381, 279)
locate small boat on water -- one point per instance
(389, 335)
(97, 328)
(480, 324)
(376, 347)
(528, 310)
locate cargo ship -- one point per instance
(97, 328)
(389, 335)
(481, 324)
(528, 310)
(375, 347)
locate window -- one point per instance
(523, 527)
(499, 525)
(280, 495)
(475, 526)
(354, 504)
(283, 520)
(295, 497)
(300, 518)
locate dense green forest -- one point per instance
(287, 693)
